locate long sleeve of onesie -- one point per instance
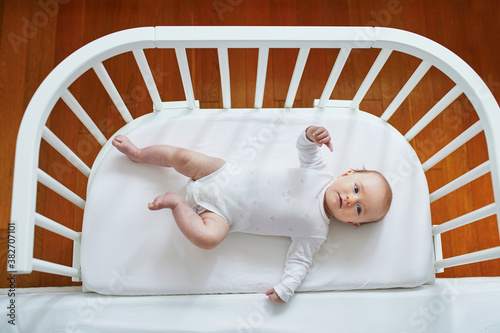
(302, 249)
(309, 153)
(299, 259)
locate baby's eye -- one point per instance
(358, 209)
(356, 190)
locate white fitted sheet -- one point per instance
(462, 305)
(129, 250)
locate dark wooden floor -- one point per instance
(37, 35)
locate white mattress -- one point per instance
(451, 305)
(129, 250)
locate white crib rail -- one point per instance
(296, 76)
(370, 77)
(461, 181)
(334, 76)
(261, 77)
(55, 87)
(468, 82)
(434, 112)
(185, 76)
(224, 76)
(106, 81)
(68, 154)
(406, 90)
(142, 62)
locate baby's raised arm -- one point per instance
(319, 135)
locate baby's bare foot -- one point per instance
(168, 200)
(124, 145)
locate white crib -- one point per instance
(446, 305)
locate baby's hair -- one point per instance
(388, 193)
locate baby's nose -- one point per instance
(350, 200)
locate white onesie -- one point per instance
(274, 202)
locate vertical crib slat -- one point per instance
(57, 228)
(297, 75)
(224, 77)
(474, 216)
(478, 256)
(453, 145)
(461, 181)
(405, 91)
(77, 262)
(143, 65)
(50, 267)
(370, 77)
(77, 109)
(261, 77)
(185, 76)
(68, 154)
(60, 189)
(434, 112)
(108, 84)
(334, 76)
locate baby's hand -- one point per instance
(273, 296)
(319, 135)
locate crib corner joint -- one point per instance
(438, 251)
(335, 104)
(76, 260)
(178, 105)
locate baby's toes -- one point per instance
(119, 141)
(154, 205)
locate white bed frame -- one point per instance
(55, 87)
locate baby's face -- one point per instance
(356, 197)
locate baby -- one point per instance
(293, 202)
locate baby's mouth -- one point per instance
(340, 200)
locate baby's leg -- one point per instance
(206, 230)
(187, 162)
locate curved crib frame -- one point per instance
(27, 173)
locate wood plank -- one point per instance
(23, 65)
(283, 60)
(37, 29)
(38, 65)
(316, 71)
(258, 13)
(67, 41)
(240, 73)
(483, 45)
(337, 14)
(163, 63)
(12, 76)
